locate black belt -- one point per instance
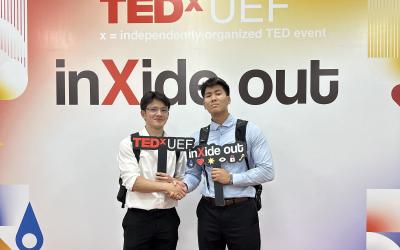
(156, 210)
(228, 201)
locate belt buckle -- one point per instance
(229, 202)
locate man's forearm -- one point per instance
(147, 186)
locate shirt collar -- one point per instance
(230, 121)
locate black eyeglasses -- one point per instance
(153, 111)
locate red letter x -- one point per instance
(193, 5)
(200, 152)
(120, 82)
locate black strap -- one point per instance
(218, 188)
(136, 151)
(204, 132)
(177, 154)
(162, 159)
(203, 138)
(240, 135)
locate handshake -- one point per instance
(175, 189)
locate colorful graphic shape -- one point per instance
(376, 241)
(3, 245)
(383, 219)
(396, 94)
(29, 225)
(13, 200)
(383, 210)
(13, 49)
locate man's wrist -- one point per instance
(164, 186)
(186, 186)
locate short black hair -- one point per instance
(149, 96)
(213, 81)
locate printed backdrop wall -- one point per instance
(320, 78)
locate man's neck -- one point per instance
(155, 132)
(220, 118)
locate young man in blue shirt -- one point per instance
(236, 223)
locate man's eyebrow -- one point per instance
(212, 91)
(156, 107)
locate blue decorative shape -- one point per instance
(2, 220)
(29, 225)
(2, 208)
(394, 236)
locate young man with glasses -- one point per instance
(235, 223)
(151, 221)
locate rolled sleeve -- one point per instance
(128, 165)
(192, 176)
(260, 160)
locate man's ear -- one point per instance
(229, 101)
(142, 112)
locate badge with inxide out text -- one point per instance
(212, 154)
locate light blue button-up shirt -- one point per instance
(258, 153)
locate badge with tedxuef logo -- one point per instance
(162, 144)
(211, 154)
(153, 143)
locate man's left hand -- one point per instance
(163, 177)
(220, 175)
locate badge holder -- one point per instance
(219, 190)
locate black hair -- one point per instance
(213, 81)
(149, 96)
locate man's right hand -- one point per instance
(176, 190)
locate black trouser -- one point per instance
(235, 225)
(150, 230)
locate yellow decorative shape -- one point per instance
(3, 245)
(383, 29)
(211, 161)
(5, 93)
(13, 78)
